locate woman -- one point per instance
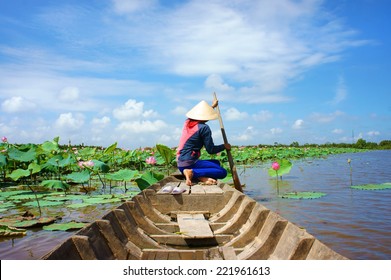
(195, 135)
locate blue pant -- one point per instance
(206, 168)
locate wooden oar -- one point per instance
(235, 176)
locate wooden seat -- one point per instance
(194, 225)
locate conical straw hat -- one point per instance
(202, 112)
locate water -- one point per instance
(355, 223)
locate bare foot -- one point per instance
(189, 175)
(208, 181)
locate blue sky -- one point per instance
(99, 72)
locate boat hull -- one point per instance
(203, 223)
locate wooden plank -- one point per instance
(228, 253)
(197, 189)
(186, 187)
(161, 255)
(194, 226)
(212, 189)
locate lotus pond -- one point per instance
(49, 191)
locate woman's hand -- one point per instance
(215, 103)
(227, 146)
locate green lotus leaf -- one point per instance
(15, 154)
(78, 205)
(167, 153)
(43, 203)
(18, 173)
(34, 168)
(122, 175)
(110, 148)
(148, 178)
(27, 196)
(49, 146)
(101, 166)
(12, 193)
(6, 205)
(55, 184)
(65, 226)
(285, 168)
(57, 198)
(66, 161)
(3, 160)
(27, 223)
(302, 195)
(6, 231)
(383, 186)
(79, 177)
(54, 161)
(101, 200)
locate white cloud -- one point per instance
(233, 114)
(130, 110)
(69, 121)
(69, 94)
(104, 121)
(373, 133)
(141, 126)
(298, 124)
(337, 131)
(17, 104)
(263, 116)
(326, 118)
(341, 92)
(247, 135)
(276, 130)
(216, 83)
(263, 43)
(180, 111)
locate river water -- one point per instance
(355, 223)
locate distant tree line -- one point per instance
(360, 144)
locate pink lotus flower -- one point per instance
(151, 160)
(83, 164)
(4, 139)
(89, 163)
(275, 166)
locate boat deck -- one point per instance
(204, 222)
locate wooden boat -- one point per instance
(205, 222)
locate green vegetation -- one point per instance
(59, 179)
(302, 195)
(371, 187)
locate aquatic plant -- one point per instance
(280, 167)
(303, 195)
(168, 156)
(372, 187)
(351, 171)
(151, 160)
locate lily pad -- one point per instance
(100, 200)
(22, 222)
(13, 193)
(6, 205)
(24, 196)
(78, 205)
(7, 231)
(371, 187)
(43, 203)
(65, 226)
(303, 195)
